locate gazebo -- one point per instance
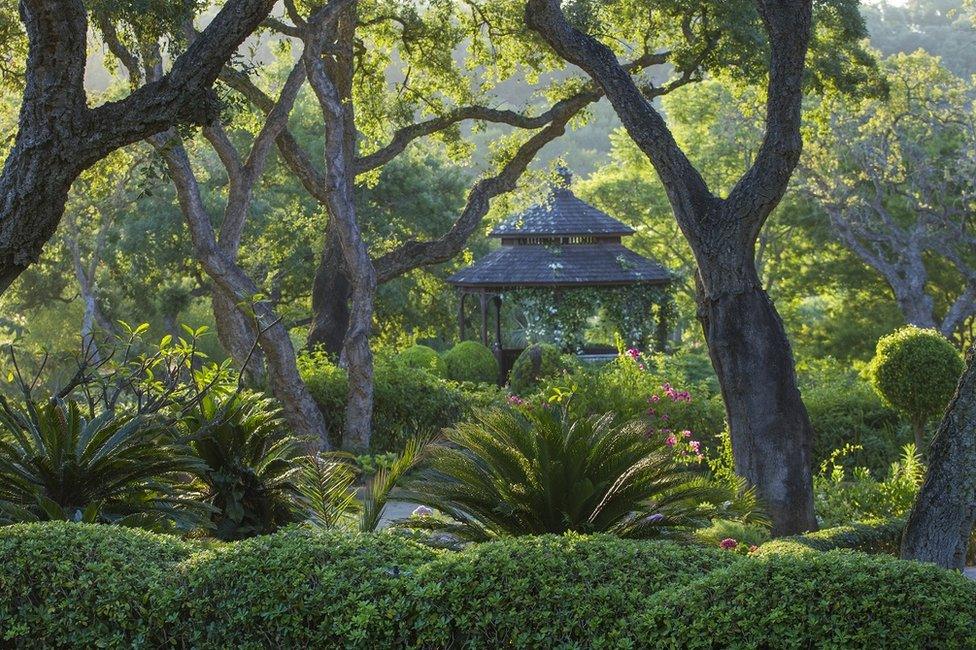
(563, 259)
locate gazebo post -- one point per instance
(499, 352)
(462, 295)
(484, 318)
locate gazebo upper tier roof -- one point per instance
(561, 214)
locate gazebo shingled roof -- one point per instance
(562, 241)
(561, 214)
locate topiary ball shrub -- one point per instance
(300, 588)
(546, 591)
(536, 362)
(83, 585)
(471, 361)
(421, 356)
(839, 599)
(916, 371)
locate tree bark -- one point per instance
(942, 518)
(237, 335)
(330, 83)
(58, 136)
(770, 431)
(331, 292)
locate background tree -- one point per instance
(896, 178)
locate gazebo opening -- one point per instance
(561, 263)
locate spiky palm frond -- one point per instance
(512, 472)
(251, 463)
(57, 464)
(378, 489)
(326, 488)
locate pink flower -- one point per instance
(655, 398)
(686, 434)
(671, 441)
(633, 353)
(640, 366)
(664, 416)
(422, 511)
(728, 544)
(695, 446)
(515, 400)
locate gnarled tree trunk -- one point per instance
(942, 518)
(237, 336)
(58, 136)
(771, 434)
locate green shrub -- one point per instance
(406, 400)
(471, 361)
(845, 410)
(633, 389)
(297, 588)
(841, 496)
(743, 533)
(55, 463)
(79, 585)
(916, 370)
(421, 356)
(83, 585)
(838, 599)
(250, 463)
(871, 536)
(534, 363)
(583, 474)
(547, 591)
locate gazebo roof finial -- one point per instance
(565, 174)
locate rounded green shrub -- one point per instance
(916, 370)
(298, 588)
(406, 401)
(534, 363)
(838, 599)
(83, 585)
(421, 356)
(871, 536)
(471, 361)
(546, 591)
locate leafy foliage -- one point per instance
(326, 489)
(541, 470)
(111, 586)
(426, 358)
(250, 463)
(835, 599)
(407, 400)
(534, 363)
(471, 361)
(869, 536)
(569, 590)
(57, 464)
(916, 371)
(842, 496)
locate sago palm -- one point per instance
(57, 464)
(251, 463)
(527, 472)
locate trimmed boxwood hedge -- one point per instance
(80, 585)
(872, 536)
(838, 599)
(545, 591)
(83, 585)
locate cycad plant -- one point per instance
(541, 470)
(115, 468)
(251, 462)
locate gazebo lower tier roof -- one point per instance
(562, 266)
